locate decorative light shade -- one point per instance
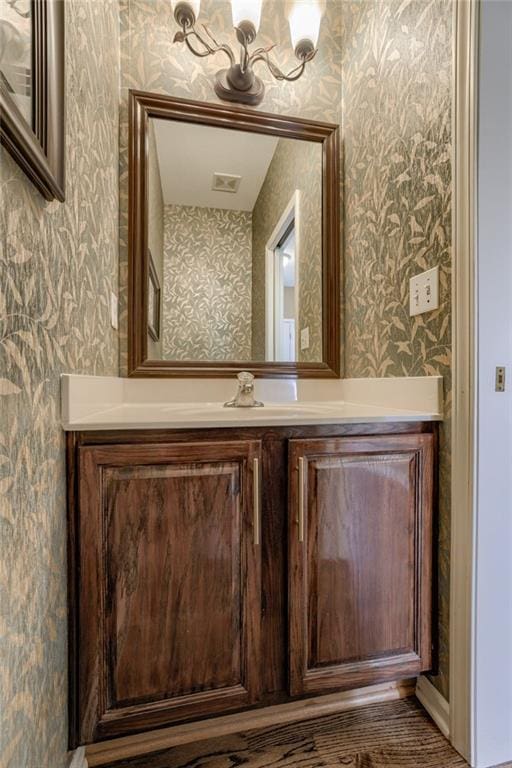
(195, 5)
(304, 20)
(246, 10)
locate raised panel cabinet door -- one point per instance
(360, 564)
(170, 582)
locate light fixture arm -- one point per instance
(278, 74)
(186, 34)
(239, 82)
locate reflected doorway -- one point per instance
(281, 286)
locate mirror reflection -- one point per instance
(16, 53)
(234, 232)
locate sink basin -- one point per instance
(294, 410)
(281, 410)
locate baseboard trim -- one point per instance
(77, 758)
(435, 704)
(307, 709)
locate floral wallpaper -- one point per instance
(207, 283)
(150, 61)
(296, 165)
(58, 264)
(397, 80)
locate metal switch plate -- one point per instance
(500, 378)
(424, 292)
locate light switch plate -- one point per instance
(114, 311)
(424, 292)
(304, 338)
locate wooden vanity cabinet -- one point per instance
(193, 594)
(169, 588)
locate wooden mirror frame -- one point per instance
(142, 107)
(39, 149)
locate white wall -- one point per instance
(492, 715)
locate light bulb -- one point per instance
(304, 20)
(246, 10)
(184, 9)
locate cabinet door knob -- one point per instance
(301, 499)
(256, 500)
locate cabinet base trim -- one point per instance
(435, 704)
(249, 720)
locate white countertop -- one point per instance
(96, 403)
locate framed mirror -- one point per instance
(240, 213)
(32, 90)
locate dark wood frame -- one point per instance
(39, 149)
(154, 326)
(142, 107)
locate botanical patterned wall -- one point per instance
(397, 139)
(155, 228)
(58, 264)
(150, 61)
(207, 283)
(296, 165)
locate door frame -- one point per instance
(291, 211)
(464, 467)
(478, 710)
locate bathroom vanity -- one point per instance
(222, 559)
(219, 568)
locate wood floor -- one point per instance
(397, 734)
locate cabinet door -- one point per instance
(360, 560)
(169, 587)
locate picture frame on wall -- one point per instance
(32, 123)
(153, 300)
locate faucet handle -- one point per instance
(244, 398)
(245, 377)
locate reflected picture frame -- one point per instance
(153, 300)
(38, 145)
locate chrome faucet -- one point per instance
(244, 397)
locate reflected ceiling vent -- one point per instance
(225, 182)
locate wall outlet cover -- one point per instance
(424, 292)
(304, 338)
(114, 311)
